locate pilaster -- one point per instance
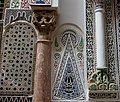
(99, 82)
(44, 19)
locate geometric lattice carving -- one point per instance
(90, 38)
(117, 9)
(68, 64)
(18, 58)
(1, 30)
(110, 41)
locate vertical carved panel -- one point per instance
(90, 42)
(1, 31)
(110, 42)
(117, 12)
(18, 58)
(68, 64)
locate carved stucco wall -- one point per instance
(111, 53)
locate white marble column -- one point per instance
(100, 34)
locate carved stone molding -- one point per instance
(44, 19)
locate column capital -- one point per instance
(99, 5)
(44, 19)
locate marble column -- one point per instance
(44, 20)
(100, 34)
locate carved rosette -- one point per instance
(44, 20)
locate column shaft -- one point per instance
(42, 81)
(100, 38)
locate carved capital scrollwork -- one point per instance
(44, 20)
